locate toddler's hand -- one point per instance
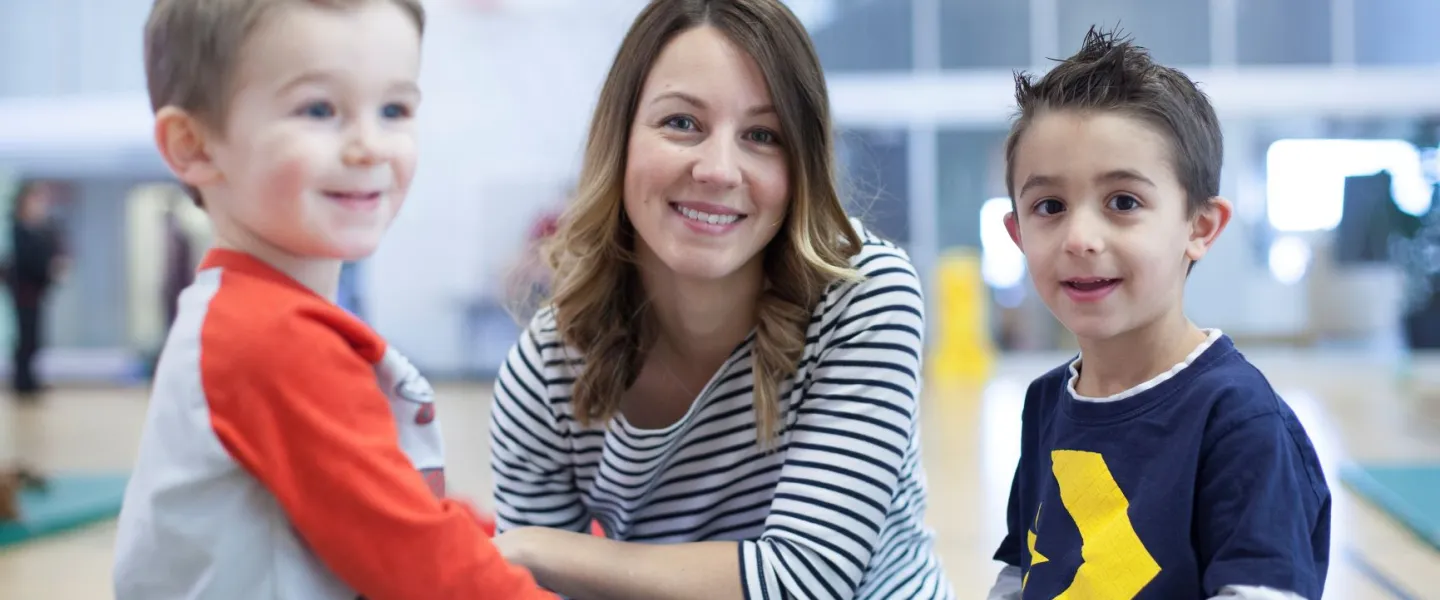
(483, 517)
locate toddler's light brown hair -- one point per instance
(193, 50)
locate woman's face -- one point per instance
(706, 180)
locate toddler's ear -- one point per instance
(1206, 225)
(1012, 226)
(182, 142)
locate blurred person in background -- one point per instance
(37, 262)
(179, 260)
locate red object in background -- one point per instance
(545, 227)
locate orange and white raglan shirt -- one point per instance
(290, 453)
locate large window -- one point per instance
(1306, 179)
(984, 34)
(865, 37)
(1397, 32)
(875, 180)
(971, 170)
(1177, 32)
(1277, 32)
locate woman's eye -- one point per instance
(680, 122)
(764, 136)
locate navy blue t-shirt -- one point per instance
(1203, 481)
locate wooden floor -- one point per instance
(1353, 411)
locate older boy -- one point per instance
(1159, 463)
(289, 452)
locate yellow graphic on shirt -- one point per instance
(1115, 564)
(1035, 556)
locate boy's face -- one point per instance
(1101, 217)
(319, 145)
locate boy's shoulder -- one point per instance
(1220, 381)
(1049, 387)
(1246, 417)
(1236, 390)
(243, 315)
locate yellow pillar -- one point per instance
(963, 350)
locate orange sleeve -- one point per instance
(300, 410)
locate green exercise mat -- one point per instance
(1409, 493)
(70, 501)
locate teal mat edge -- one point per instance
(1409, 516)
(15, 534)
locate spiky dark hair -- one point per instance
(1111, 73)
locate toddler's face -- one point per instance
(319, 146)
(1101, 217)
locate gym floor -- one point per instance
(1355, 409)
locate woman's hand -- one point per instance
(523, 545)
(579, 565)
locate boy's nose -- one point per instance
(362, 148)
(1083, 238)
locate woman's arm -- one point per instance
(530, 456)
(843, 463)
(576, 565)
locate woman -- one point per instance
(726, 378)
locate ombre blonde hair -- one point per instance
(598, 300)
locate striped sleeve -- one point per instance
(848, 443)
(530, 456)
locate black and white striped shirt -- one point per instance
(836, 512)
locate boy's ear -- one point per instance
(182, 142)
(1012, 226)
(1206, 225)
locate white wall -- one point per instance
(62, 47)
(508, 99)
(507, 105)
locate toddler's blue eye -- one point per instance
(395, 111)
(318, 110)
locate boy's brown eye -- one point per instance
(1049, 206)
(1124, 202)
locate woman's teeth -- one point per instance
(705, 217)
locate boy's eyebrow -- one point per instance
(1124, 175)
(1035, 181)
(304, 78)
(406, 87)
(1117, 175)
(700, 104)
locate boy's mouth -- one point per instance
(352, 196)
(1090, 284)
